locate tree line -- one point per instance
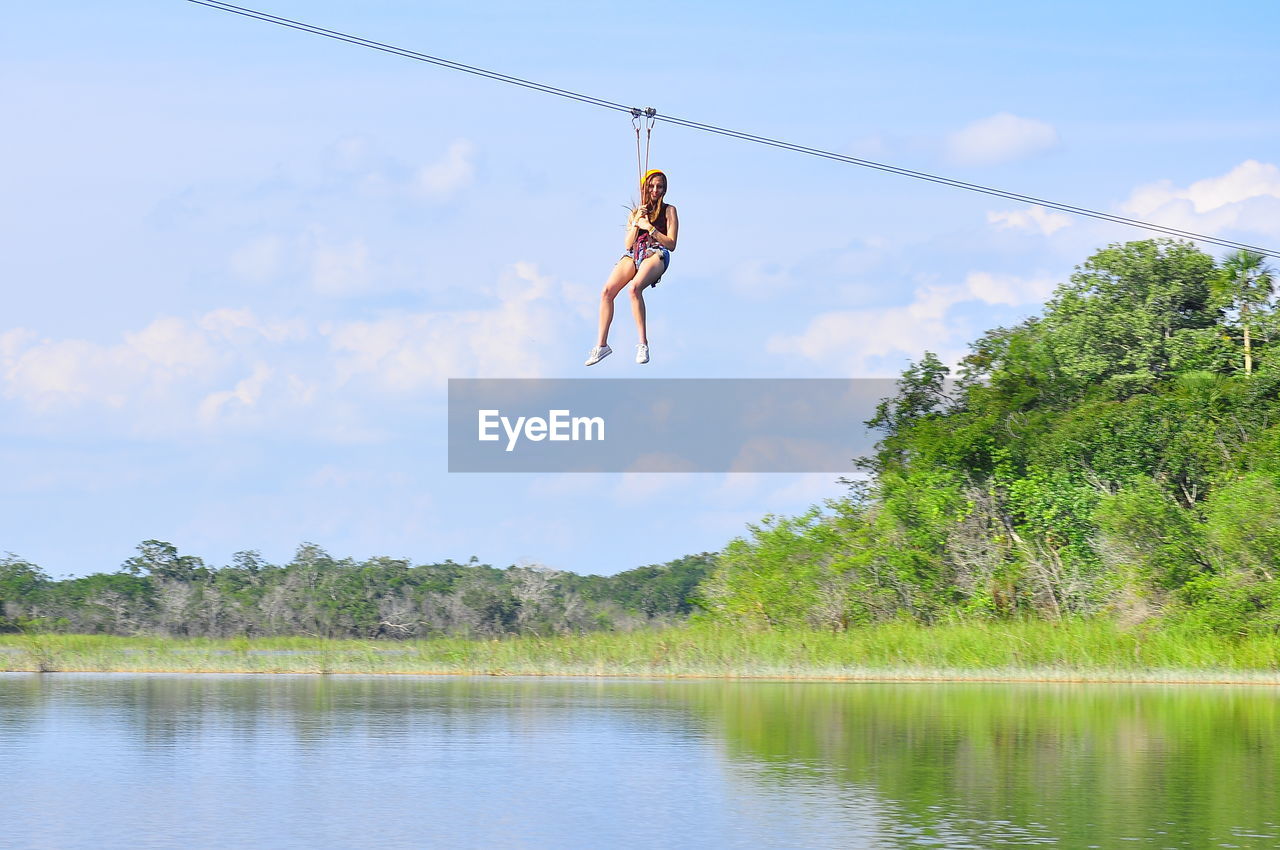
(160, 591)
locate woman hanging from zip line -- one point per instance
(651, 237)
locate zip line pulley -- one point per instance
(648, 117)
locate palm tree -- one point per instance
(1245, 282)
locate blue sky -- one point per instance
(239, 262)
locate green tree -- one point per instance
(1069, 469)
(21, 584)
(159, 559)
(1245, 284)
(1131, 314)
(1243, 520)
(1144, 528)
(660, 589)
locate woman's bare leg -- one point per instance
(650, 270)
(622, 273)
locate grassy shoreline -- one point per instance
(1080, 651)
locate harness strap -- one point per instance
(648, 137)
(635, 122)
(649, 116)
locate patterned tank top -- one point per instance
(644, 241)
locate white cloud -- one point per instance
(1033, 219)
(365, 170)
(258, 260)
(233, 323)
(341, 269)
(12, 342)
(229, 368)
(443, 179)
(171, 347)
(520, 337)
(329, 226)
(47, 374)
(64, 371)
(162, 378)
(246, 394)
(854, 340)
(1247, 197)
(1000, 138)
(1006, 289)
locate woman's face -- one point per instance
(654, 188)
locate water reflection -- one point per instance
(234, 761)
(983, 764)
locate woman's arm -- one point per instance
(633, 230)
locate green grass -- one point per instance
(1077, 650)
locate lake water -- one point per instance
(143, 761)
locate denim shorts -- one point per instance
(639, 254)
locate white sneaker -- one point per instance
(598, 353)
(642, 353)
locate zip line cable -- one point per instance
(652, 115)
(411, 54)
(972, 187)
